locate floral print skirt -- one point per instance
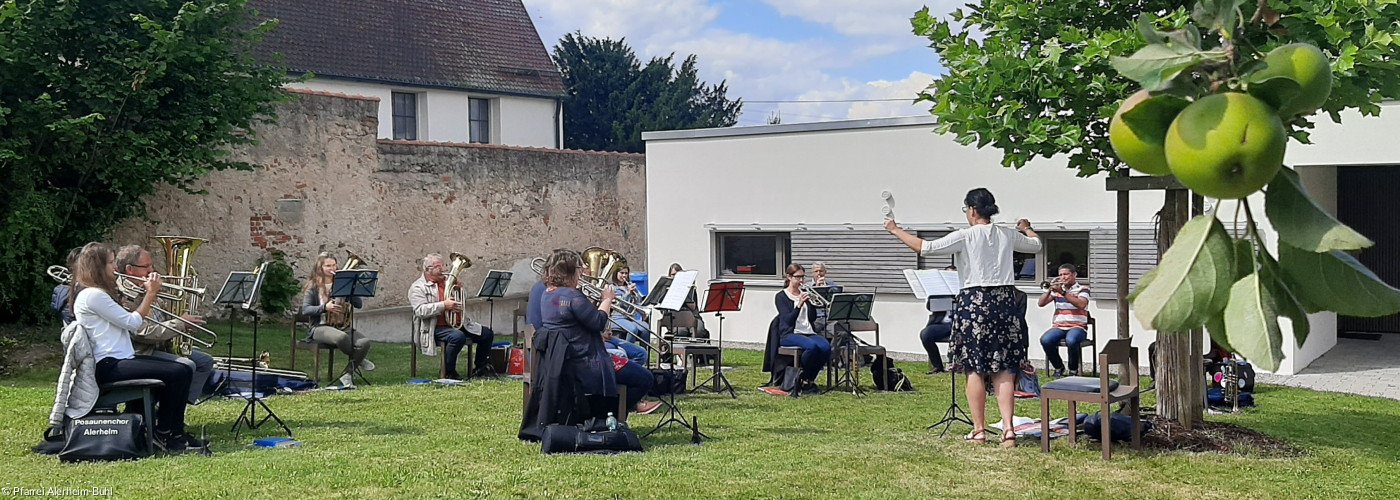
(989, 330)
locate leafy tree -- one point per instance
(1034, 78)
(100, 102)
(1042, 79)
(612, 98)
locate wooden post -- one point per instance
(1180, 376)
(1124, 331)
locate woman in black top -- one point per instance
(796, 320)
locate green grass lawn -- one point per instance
(393, 440)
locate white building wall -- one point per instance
(525, 122)
(836, 176)
(443, 114)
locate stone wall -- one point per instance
(325, 183)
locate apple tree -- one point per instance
(1214, 91)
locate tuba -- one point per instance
(179, 252)
(344, 319)
(456, 319)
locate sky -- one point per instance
(774, 50)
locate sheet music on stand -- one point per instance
(241, 288)
(354, 283)
(658, 292)
(933, 282)
(682, 281)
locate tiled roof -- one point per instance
(482, 45)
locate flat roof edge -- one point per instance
(789, 128)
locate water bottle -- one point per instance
(612, 422)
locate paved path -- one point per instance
(1363, 367)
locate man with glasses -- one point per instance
(136, 261)
(430, 301)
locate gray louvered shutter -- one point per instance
(1103, 259)
(934, 261)
(859, 260)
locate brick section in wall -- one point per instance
(261, 236)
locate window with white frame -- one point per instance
(405, 116)
(479, 118)
(1061, 248)
(756, 255)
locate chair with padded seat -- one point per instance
(1098, 390)
(126, 391)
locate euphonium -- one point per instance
(456, 319)
(344, 319)
(179, 251)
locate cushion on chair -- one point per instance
(135, 383)
(1078, 384)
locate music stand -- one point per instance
(665, 297)
(955, 412)
(492, 288)
(722, 297)
(849, 307)
(347, 284)
(242, 291)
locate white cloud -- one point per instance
(862, 17)
(759, 68)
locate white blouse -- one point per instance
(107, 322)
(803, 325)
(984, 253)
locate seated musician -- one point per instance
(564, 309)
(430, 301)
(796, 328)
(624, 289)
(150, 340)
(1071, 319)
(691, 308)
(819, 280)
(61, 302)
(109, 326)
(938, 329)
(326, 316)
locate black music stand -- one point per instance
(849, 307)
(722, 297)
(494, 287)
(955, 412)
(351, 283)
(673, 412)
(241, 291)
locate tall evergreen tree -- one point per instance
(613, 98)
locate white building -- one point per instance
(741, 203)
(444, 70)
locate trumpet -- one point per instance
(1048, 284)
(246, 365)
(131, 290)
(814, 298)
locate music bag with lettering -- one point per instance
(112, 436)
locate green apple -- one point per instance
(1306, 65)
(1141, 149)
(1226, 145)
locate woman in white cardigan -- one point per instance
(109, 325)
(989, 332)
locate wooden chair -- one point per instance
(1097, 390)
(304, 343)
(529, 374)
(1090, 342)
(442, 360)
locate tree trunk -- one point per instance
(1180, 376)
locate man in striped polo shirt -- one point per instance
(1071, 320)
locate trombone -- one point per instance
(594, 293)
(131, 290)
